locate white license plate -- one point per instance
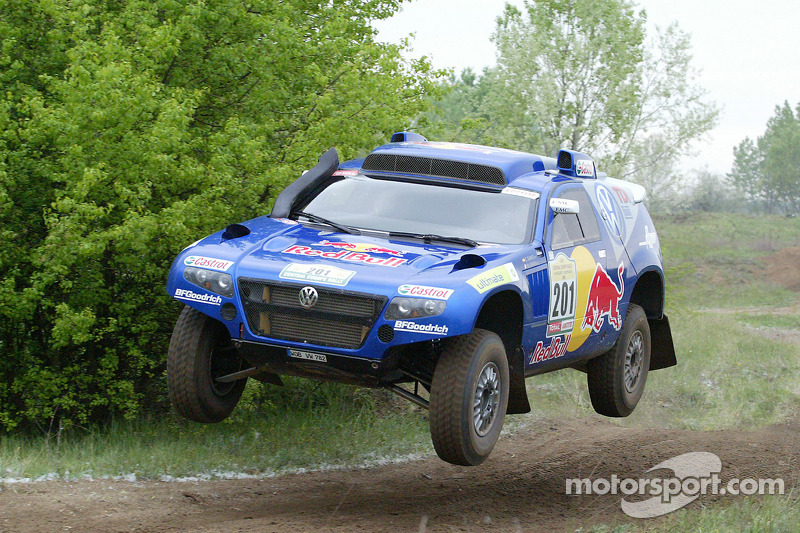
(308, 356)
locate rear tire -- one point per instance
(469, 397)
(200, 351)
(617, 378)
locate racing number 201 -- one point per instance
(563, 299)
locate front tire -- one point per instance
(200, 351)
(469, 397)
(617, 378)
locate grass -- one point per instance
(739, 366)
(307, 426)
(768, 514)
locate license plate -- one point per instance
(308, 356)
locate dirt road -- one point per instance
(520, 488)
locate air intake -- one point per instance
(440, 168)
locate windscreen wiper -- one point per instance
(316, 218)
(429, 238)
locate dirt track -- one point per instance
(520, 488)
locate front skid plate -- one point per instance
(317, 364)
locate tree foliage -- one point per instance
(129, 129)
(767, 171)
(584, 75)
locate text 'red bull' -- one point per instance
(345, 255)
(362, 247)
(604, 300)
(557, 348)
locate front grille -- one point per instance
(428, 166)
(339, 319)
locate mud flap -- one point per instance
(518, 394)
(662, 350)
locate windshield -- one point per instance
(395, 206)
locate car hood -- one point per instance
(284, 250)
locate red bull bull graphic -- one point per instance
(604, 297)
(362, 247)
(346, 255)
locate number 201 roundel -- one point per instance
(563, 295)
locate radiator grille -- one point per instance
(340, 319)
(427, 166)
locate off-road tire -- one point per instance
(607, 374)
(199, 351)
(453, 393)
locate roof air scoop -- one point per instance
(576, 164)
(407, 136)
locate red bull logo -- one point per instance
(362, 247)
(346, 254)
(604, 300)
(557, 348)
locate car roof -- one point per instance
(484, 165)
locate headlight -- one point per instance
(402, 308)
(216, 282)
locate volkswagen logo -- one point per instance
(308, 297)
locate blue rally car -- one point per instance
(447, 273)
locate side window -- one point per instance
(571, 229)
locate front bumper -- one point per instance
(320, 364)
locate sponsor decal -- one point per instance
(623, 195)
(308, 356)
(603, 301)
(345, 255)
(521, 192)
(425, 292)
(557, 348)
(562, 205)
(563, 295)
(584, 167)
(609, 210)
(362, 247)
(627, 212)
(329, 275)
(346, 172)
(191, 296)
(492, 278)
(650, 238)
(413, 327)
(207, 262)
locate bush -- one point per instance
(130, 129)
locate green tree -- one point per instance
(129, 129)
(583, 74)
(766, 171)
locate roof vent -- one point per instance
(576, 164)
(407, 136)
(428, 166)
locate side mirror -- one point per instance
(562, 205)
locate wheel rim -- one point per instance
(633, 361)
(222, 362)
(486, 399)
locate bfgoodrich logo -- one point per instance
(413, 327)
(186, 294)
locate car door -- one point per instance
(576, 254)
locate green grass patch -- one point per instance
(727, 376)
(768, 320)
(305, 425)
(768, 514)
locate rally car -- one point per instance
(447, 273)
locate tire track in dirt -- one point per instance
(521, 487)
